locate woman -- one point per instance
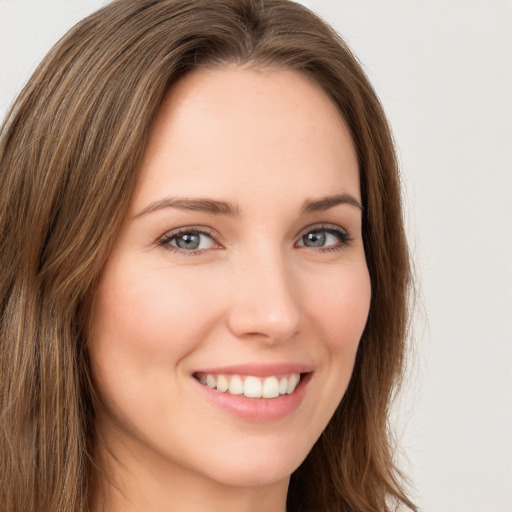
(204, 271)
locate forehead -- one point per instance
(226, 131)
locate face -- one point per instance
(239, 270)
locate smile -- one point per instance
(251, 386)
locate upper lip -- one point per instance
(258, 370)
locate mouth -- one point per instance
(251, 386)
(255, 392)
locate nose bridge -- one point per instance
(264, 300)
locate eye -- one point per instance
(188, 241)
(327, 238)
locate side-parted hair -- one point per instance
(70, 150)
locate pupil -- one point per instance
(315, 239)
(188, 241)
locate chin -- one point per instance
(260, 466)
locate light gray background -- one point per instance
(443, 70)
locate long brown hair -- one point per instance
(70, 149)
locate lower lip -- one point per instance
(259, 409)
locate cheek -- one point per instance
(342, 307)
(145, 321)
(338, 313)
(151, 315)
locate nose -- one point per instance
(264, 302)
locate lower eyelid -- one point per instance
(165, 240)
(341, 234)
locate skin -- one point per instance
(254, 292)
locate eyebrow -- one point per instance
(217, 207)
(198, 204)
(325, 203)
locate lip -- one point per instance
(258, 370)
(258, 410)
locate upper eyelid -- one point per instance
(203, 230)
(210, 231)
(164, 240)
(217, 238)
(323, 226)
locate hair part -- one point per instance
(70, 151)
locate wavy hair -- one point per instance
(70, 150)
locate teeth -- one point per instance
(270, 388)
(283, 386)
(236, 386)
(251, 387)
(292, 383)
(211, 381)
(222, 383)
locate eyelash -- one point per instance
(343, 236)
(166, 240)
